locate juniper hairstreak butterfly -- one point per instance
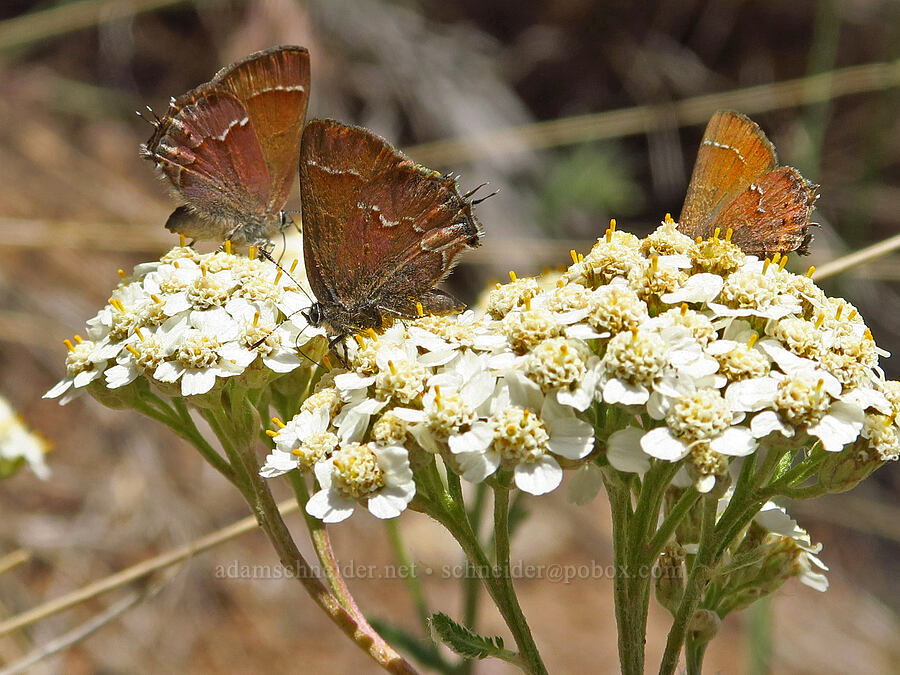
(737, 185)
(230, 147)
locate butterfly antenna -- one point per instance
(268, 256)
(473, 191)
(476, 202)
(476, 189)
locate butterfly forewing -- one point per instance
(210, 153)
(733, 153)
(379, 230)
(735, 185)
(273, 85)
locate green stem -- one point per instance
(682, 507)
(452, 516)
(503, 577)
(630, 630)
(693, 653)
(693, 589)
(471, 587)
(653, 489)
(184, 427)
(239, 426)
(318, 534)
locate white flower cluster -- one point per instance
(19, 444)
(187, 320)
(671, 349)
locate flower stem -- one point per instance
(627, 596)
(238, 423)
(682, 507)
(693, 654)
(324, 550)
(693, 589)
(496, 579)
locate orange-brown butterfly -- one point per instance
(379, 230)
(230, 147)
(738, 185)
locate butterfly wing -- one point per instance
(273, 86)
(772, 214)
(379, 230)
(734, 152)
(208, 149)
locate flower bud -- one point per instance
(670, 576)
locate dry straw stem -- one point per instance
(82, 631)
(858, 258)
(648, 118)
(137, 572)
(35, 27)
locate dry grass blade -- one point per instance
(14, 559)
(82, 631)
(68, 17)
(642, 119)
(857, 258)
(136, 572)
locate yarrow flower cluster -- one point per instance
(187, 322)
(19, 445)
(664, 349)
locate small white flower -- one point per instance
(379, 475)
(18, 442)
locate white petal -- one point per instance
(661, 444)
(168, 371)
(59, 388)
(476, 466)
(624, 451)
(705, 483)
(282, 362)
(477, 439)
(583, 331)
(478, 389)
(347, 381)
(119, 376)
(524, 392)
(585, 484)
(197, 382)
(618, 391)
(409, 414)
(734, 442)
(868, 398)
(702, 287)
(751, 394)
(85, 377)
(330, 507)
(840, 426)
(768, 421)
(394, 461)
(278, 463)
(389, 503)
(540, 477)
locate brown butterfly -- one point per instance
(737, 184)
(230, 147)
(379, 230)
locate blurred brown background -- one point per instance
(76, 204)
